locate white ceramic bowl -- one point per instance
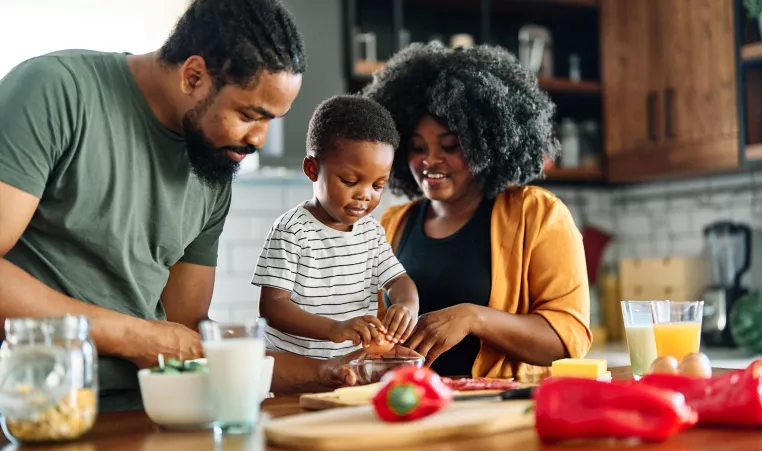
(178, 400)
(182, 400)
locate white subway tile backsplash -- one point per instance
(655, 220)
(220, 315)
(244, 256)
(233, 288)
(679, 221)
(689, 185)
(244, 312)
(662, 248)
(223, 258)
(652, 190)
(602, 220)
(634, 225)
(704, 216)
(742, 213)
(247, 198)
(237, 227)
(260, 226)
(679, 204)
(628, 249)
(728, 181)
(297, 193)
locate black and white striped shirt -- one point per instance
(329, 273)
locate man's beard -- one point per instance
(210, 164)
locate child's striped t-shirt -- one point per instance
(328, 273)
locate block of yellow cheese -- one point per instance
(586, 368)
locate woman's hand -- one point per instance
(440, 330)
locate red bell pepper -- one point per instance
(578, 409)
(409, 393)
(733, 398)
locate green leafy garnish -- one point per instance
(175, 366)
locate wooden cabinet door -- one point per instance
(691, 78)
(627, 107)
(633, 80)
(701, 105)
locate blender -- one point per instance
(728, 247)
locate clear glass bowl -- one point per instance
(372, 369)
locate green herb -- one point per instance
(175, 366)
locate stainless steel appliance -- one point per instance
(728, 247)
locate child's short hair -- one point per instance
(349, 117)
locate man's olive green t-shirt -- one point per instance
(119, 204)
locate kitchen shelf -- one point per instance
(564, 85)
(576, 174)
(751, 52)
(363, 68)
(588, 3)
(506, 4)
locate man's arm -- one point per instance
(299, 374)
(188, 293)
(21, 295)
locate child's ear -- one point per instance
(310, 167)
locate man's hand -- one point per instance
(400, 320)
(335, 373)
(362, 329)
(167, 338)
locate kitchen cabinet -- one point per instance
(375, 30)
(669, 86)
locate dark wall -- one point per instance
(320, 23)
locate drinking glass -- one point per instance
(235, 355)
(639, 330)
(677, 328)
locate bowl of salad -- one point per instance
(176, 394)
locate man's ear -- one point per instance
(194, 76)
(311, 168)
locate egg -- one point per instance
(666, 364)
(375, 348)
(696, 365)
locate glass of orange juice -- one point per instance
(677, 327)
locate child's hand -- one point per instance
(362, 329)
(399, 322)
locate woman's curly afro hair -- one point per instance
(483, 94)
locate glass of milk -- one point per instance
(234, 354)
(639, 329)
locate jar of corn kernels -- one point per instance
(48, 379)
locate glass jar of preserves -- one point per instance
(48, 379)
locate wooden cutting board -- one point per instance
(353, 428)
(360, 396)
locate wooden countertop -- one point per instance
(133, 431)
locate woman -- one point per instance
(500, 267)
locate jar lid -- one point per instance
(46, 329)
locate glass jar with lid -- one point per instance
(48, 379)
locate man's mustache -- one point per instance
(244, 150)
